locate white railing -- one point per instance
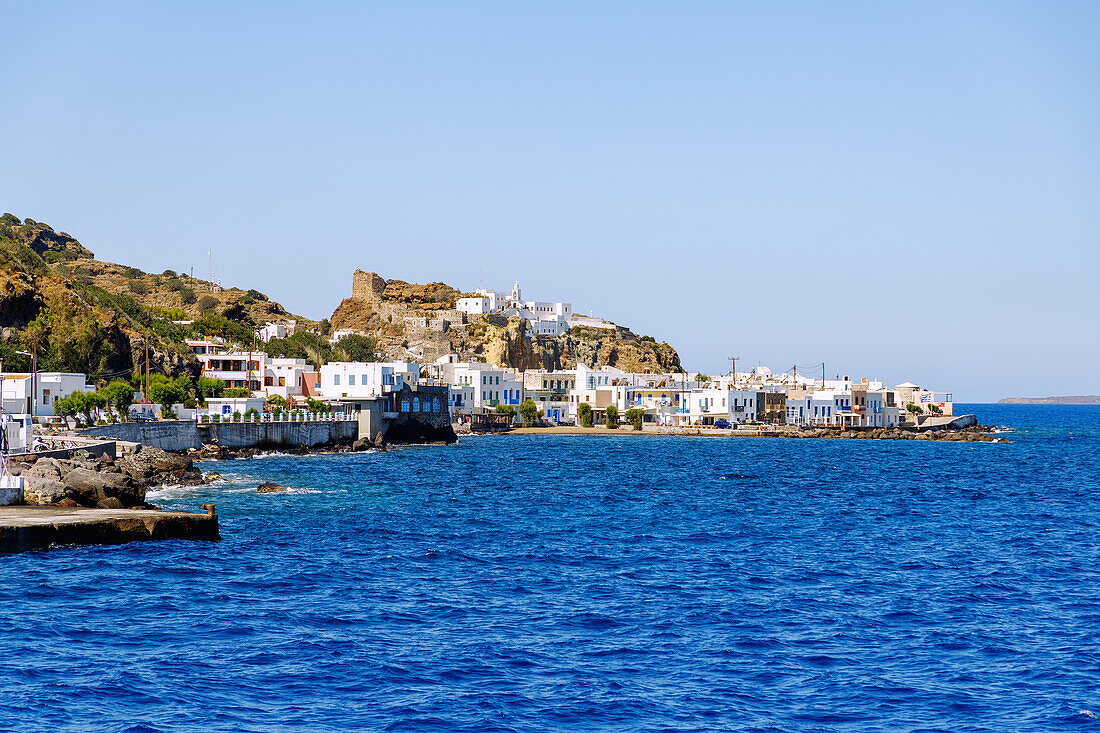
(290, 416)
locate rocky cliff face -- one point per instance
(419, 323)
(20, 302)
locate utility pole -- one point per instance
(822, 375)
(34, 377)
(146, 340)
(733, 368)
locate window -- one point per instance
(364, 380)
(405, 404)
(416, 404)
(351, 380)
(336, 379)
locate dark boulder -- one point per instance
(91, 487)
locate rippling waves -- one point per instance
(591, 583)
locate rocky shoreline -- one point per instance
(103, 482)
(973, 434)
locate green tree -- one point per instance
(277, 402)
(212, 324)
(210, 387)
(207, 302)
(251, 413)
(935, 409)
(79, 404)
(63, 407)
(584, 414)
(187, 295)
(120, 396)
(356, 347)
(914, 409)
(166, 392)
(634, 416)
(237, 392)
(611, 416)
(317, 405)
(529, 411)
(505, 409)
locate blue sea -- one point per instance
(532, 583)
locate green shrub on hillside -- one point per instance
(356, 347)
(212, 324)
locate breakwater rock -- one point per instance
(975, 434)
(102, 482)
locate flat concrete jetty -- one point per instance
(24, 528)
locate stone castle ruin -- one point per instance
(367, 286)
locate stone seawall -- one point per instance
(284, 434)
(180, 435)
(173, 435)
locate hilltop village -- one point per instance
(246, 381)
(85, 343)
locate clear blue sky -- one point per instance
(902, 190)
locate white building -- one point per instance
(283, 377)
(543, 317)
(238, 369)
(21, 390)
(474, 306)
(276, 331)
(252, 370)
(342, 332)
(361, 380)
(820, 408)
(490, 385)
(225, 407)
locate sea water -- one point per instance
(625, 583)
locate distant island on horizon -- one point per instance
(1088, 399)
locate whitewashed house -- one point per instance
(21, 390)
(362, 380)
(275, 331)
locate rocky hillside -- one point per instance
(419, 323)
(84, 315)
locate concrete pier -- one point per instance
(24, 528)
